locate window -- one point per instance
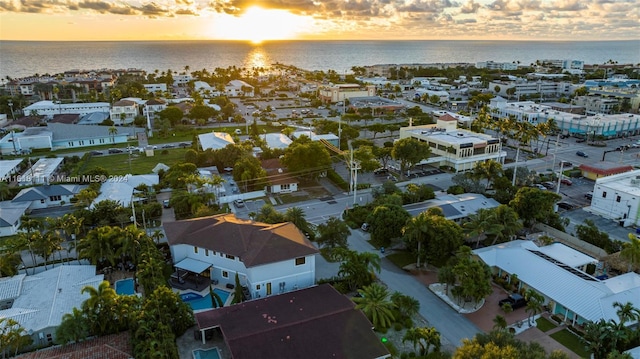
(285, 187)
(258, 287)
(300, 261)
(206, 252)
(59, 198)
(604, 194)
(617, 198)
(195, 250)
(225, 274)
(229, 256)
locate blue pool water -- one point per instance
(206, 354)
(198, 302)
(125, 287)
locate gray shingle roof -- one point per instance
(44, 192)
(11, 212)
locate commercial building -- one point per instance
(523, 88)
(341, 92)
(617, 197)
(50, 108)
(608, 126)
(490, 65)
(452, 147)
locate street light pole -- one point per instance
(13, 118)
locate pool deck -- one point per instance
(187, 343)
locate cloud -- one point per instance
(151, 9)
(470, 7)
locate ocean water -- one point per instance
(25, 58)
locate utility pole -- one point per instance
(354, 167)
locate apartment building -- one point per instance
(341, 92)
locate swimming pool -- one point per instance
(125, 287)
(198, 302)
(212, 353)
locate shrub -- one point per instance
(404, 355)
(381, 330)
(455, 189)
(408, 323)
(397, 327)
(334, 177)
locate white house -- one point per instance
(8, 168)
(238, 88)
(47, 196)
(156, 88)
(215, 140)
(277, 140)
(121, 190)
(123, 112)
(555, 271)
(39, 301)
(50, 108)
(10, 214)
(42, 172)
(279, 180)
(617, 197)
(153, 106)
(268, 258)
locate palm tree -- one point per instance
(523, 132)
(499, 322)
(407, 306)
(415, 231)
(626, 312)
(358, 269)
(296, 216)
(374, 303)
(71, 225)
(534, 304)
(631, 251)
(481, 223)
(157, 235)
(113, 131)
(98, 306)
(99, 245)
(73, 328)
(507, 221)
(423, 338)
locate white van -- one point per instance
(238, 131)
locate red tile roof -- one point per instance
(316, 322)
(447, 117)
(254, 242)
(114, 346)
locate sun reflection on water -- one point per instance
(257, 58)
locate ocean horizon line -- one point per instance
(333, 40)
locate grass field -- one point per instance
(544, 324)
(571, 341)
(402, 258)
(140, 163)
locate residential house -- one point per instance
(316, 322)
(10, 215)
(238, 88)
(268, 258)
(112, 346)
(50, 108)
(9, 168)
(39, 301)
(42, 172)
(215, 140)
(124, 112)
(456, 148)
(153, 106)
(279, 180)
(617, 197)
(123, 189)
(557, 273)
(276, 140)
(46, 196)
(157, 89)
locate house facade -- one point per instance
(152, 107)
(279, 180)
(10, 216)
(238, 88)
(268, 258)
(123, 112)
(50, 108)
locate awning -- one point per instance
(193, 265)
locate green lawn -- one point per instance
(140, 163)
(544, 324)
(402, 258)
(571, 341)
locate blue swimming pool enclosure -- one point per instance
(212, 353)
(198, 302)
(125, 287)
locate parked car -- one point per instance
(184, 144)
(566, 164)
(549, 185)
(565, 205)
(115, 150)
(365, 227)
(580, 140)
(588, 195)
(515, 300)
(539, 186)
(566, 181)
(238, 131)
(582, 154)
(165, 203)
(239, 203)
(168, 145)
(381, 171)
(96, 153)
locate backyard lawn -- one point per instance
(571, 341)
(140, 163)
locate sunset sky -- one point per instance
(320, 20)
